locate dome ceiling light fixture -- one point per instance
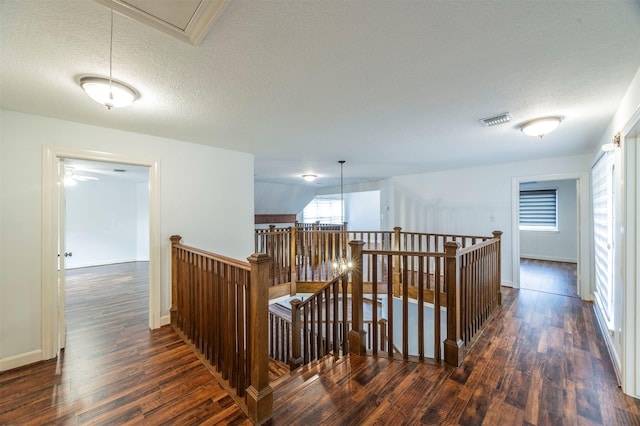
(107, 91)
(541, 126)
(309, 177)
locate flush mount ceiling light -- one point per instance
(309, 178)
(107, 91)
(541, 126)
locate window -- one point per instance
(602, 199)
(539, 210)
(323, 209)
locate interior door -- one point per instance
(62, 254)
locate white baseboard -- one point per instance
(20, 360)
(103, 262)
(549, 258)
(165, 320)
(507, 283)
(606, 334)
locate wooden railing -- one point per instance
(305, 252)
(220, 306)
(319, 323)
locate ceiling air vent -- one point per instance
(494, 121)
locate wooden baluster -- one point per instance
(374, 296)
(390, 272)
(293, 272)
(396, 273)
(259, 394)
(382, 332)
(314, 250)
(335, 326)
(453, 353)
(306, 347)
(405, 309)
(437, 339)
(357, 335)
(344, 280)
(296, 335)
(420, 306)
(327, 320)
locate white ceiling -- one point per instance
(392, 86)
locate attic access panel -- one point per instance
(187, 20)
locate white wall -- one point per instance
(206, 195)
(142, 221)
(560, 245)
(274, 198)
(627, 297)
(362, 211)
(102, 222)
(472, 201)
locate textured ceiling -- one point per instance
(393, 87)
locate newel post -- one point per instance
(259, 394)
(296, 335)
(357, 334)
(175, 239)
(498, 235)
(453, 353)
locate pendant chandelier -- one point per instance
(341, 264)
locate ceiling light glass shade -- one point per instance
(112, 94)
(309, 178)
(541, 126)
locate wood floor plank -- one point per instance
(115, 370)
(541, 361)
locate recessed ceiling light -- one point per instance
(541, 126)
(309, 178)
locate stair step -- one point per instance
(302, 376)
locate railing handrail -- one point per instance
(321, 290)
(478, 246)
(213, 256)
(392, 252)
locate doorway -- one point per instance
(581, 219)
(51, 179)
(104, 220)
(549, 236)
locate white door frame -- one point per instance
(50, 156)
(583, 216)
(630, 152)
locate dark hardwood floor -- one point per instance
(115, 370)
(542, 361)
(550, 277)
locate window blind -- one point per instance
(602, 186)
(323, 209)
(539, 208)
